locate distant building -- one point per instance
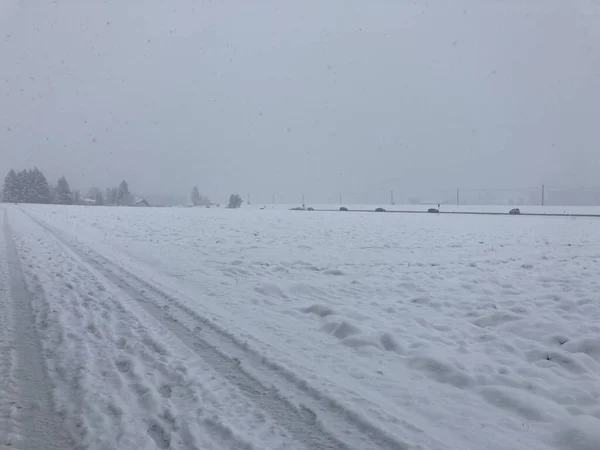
(88, 201)
(141, 202)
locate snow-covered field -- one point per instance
(217, 329)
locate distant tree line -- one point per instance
(27, 186)
(235, 200)
(117, 196)
(31, 186)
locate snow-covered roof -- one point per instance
(141, 201)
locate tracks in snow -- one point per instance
(313, 419)
(30, 419)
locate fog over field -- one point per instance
(315, 97)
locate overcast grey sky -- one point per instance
(317, 96)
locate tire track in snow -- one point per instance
(130, 384)
(318, 421)
(6, 348)
(33, 423)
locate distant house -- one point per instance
(88, 201)
(141, 202)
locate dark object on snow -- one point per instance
(433, 210)
(310, 209)
(343, 208)
(515, 211)
(380, 210)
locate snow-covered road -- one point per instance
(208, 329)
(28, 418)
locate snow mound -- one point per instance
(270, 290)
(557, 339)
(425, 301)
(583, 433)
(341, 329)
(334, 272)
(351, 335)
(389, 343)
(442, 371)
(588, 345)
(359, 342)
(306, 290)
(496, 318)
(557, 358)
(514, 400)
(319, 310)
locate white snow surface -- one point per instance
(211, 328)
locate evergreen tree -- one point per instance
(204, 201)
(99, 199)
(76, 195)
(63, 192)
(39, 190)
(32, 180)
(123, 195)
(23, 187)
(111, 196)
(53, 195)
(29, 187)
(11, 187)
(44, 189)
(196, 196)
(235, 201)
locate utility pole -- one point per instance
(457, 197)
(543, 194)
(248, 200)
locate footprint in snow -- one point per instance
(161, 437)
(165, 391)
(123, 365)
(121, 343)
